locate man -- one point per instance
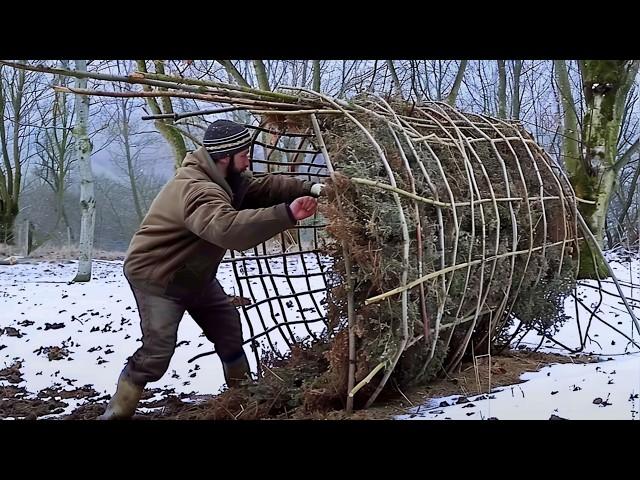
(212, 204)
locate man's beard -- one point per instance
(233, 176)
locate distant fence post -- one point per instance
(26, 238)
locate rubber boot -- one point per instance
(123, 404)
(236, 371)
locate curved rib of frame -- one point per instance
(349, 279)
(405, 235)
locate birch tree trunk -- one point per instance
(87, 198)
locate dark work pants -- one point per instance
(160, 317)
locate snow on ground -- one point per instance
(608, 389)
(98, 324)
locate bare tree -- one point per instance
(502, 89)
(571, 135)
(87, 197)
(453, 94)
(592, 155)
(131, 144)
(19, 95)
(515, 95)
(316, 75)
(56, 157)
(169, 132)
(397, 86)
(259, 73)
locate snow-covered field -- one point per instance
(97, 323)
(95, 327)
(608, 389)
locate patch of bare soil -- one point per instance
(88, 411)
(471, 381)
(12, 374)
(17, 402)
(53, 352)
(83, 392)
(96, 406)
(10, 391)
(29, 409)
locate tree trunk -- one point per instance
(10, 178)
(453, 95)
(502, 89)
(570, 143)
(87, 198)
(261, 75)
(629, 200)
(316, 75)
(515, 99)
(7, 222)
(438, 78)
(124, 133)
(171, 135)
(606, 84)
(233, 72)
(394, 77)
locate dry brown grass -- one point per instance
(51, 252)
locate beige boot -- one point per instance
(123, 404)
(237, 371)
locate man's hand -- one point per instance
(317, 190)
(303, 207)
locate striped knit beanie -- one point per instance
(224, 137)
